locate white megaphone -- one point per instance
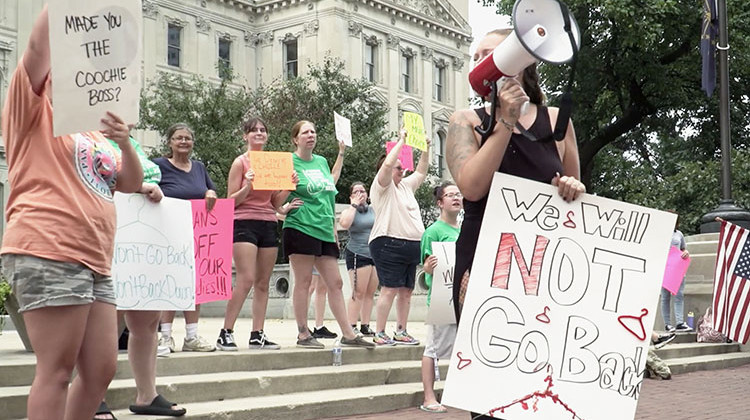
(539, 34)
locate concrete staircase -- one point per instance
(685, 355)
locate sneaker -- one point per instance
(167, 342)
(323, 332)
(356, 331)
(382, 339)
(682, 327)
(402, 337)
(225, 341)
(310, 343)
(669, 328)
(162, 351)
(197, 343)
(663, 340)
(357, 341)
(259, 341)
(366, 331)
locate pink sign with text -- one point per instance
(406, 157)
(675, 271)
(212, 234)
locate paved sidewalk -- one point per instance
(717, 394)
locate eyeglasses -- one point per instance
(453, 195)
(258, 130)
(359, 192)
(180, 139)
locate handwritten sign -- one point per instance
(153, 267)
(415, 134)
(212, 236)
(343, 128)
(441, 310)
(406, 157)
(560, 304)
(273, 170)
(96, 54)
(676, 269)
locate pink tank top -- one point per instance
(257, 205)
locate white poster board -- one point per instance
(96, 55)
(153, 266)
(441, 310)
(559, 310)
(343, 128)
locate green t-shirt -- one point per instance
(151, 171)
(316, 216)
(437, 232)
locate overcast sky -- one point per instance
(482, 20)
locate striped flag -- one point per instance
(731, 300)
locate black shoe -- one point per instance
(682, 327)
(323, 332)
(226, 340)
(259, 341)
(366, 331)
(663, 340)
(122, 342)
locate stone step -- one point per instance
(246, 384)
(702, 237)
(702, 247)
(683, 350)
(681, 365)
(305, 405)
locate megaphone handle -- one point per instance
(488, 122)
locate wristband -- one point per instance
(354, 205)
(507, 125)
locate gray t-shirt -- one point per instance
(678, 240)
(359, 232)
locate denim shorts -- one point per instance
(39, 283)
(395, 261)
(260, 233)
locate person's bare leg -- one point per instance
(428, 381)
(302, 268)
(65, 326)
(96, 363)
(383, 307)
(369, 299)
(403, 305)
(244, 255)
(328, 268)
(191, 317)
(321, 291)
(264, 268)
(358, 294)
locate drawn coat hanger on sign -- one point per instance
(639, 331)
(140, 225)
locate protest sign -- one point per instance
(676, 269)
(153, 263)
(95, 56)
(560, 304)
(415, 134)
(212, 234)
(273, 170)
(406, 157)
(343, 128)
(441, 310)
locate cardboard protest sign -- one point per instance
(415, 134)
(560, 304)
(153, 266)
(343, 128)
(676, 269)
(212, 235)
(273, 170)
(406, 157)
(96, 54)
(441, 310)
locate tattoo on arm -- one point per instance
(460, 146)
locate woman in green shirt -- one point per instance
(309, 237)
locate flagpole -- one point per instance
(727, 209)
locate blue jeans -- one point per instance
(679, 305)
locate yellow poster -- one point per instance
(415, 134)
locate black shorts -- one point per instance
(260, 233)
(296, 242)
(356, 261)
(396, 261)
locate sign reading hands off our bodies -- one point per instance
(561, 304)
(95, 62)
(153, 266)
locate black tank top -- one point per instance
(538, 161)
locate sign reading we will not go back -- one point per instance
(95, 53)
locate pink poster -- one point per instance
(406, 157)
(212, 234)
(675, 270)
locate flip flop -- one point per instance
(433, 408)
(103, 410)
(160, 406)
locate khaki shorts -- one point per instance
(440, 340)
(39, 283)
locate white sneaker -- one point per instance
(162, 351)
(167, 342)
(197, 343)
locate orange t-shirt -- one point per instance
(60, 205)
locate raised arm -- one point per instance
(339, 163)
(385, 173)
(130, 173)
(36, 59)
(420, 173)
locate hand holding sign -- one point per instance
(271, 170)
(415, 133)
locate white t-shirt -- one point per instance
(396, 209)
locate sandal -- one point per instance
(160, 406)
(433, 408)
(103, 410)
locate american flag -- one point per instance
(732, 283)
